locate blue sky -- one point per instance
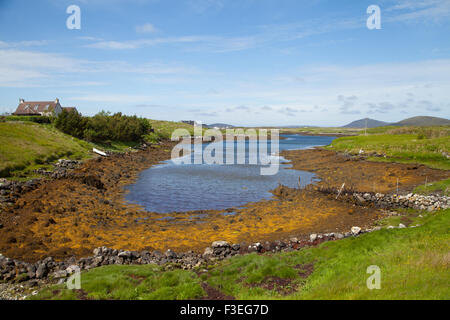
(244, 62)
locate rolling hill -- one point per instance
(371, 123)
(423, 121)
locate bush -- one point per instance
(71, 122)
(118, 127)
(103, 127)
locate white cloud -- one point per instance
(28, 43)
(135, 44)
(89, 38)
(200, 6)
(146, 28)
(419, 10)
(20, 68)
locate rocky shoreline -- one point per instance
(16, 271)
(10, 191)
(99, 179)
(21, 279)
(409, 201)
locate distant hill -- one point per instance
(371, 123)
(423, 121)
(220, 126)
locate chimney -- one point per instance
(21, 100)
(57, 100)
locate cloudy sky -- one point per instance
(244, 62)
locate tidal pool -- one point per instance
(170, 187)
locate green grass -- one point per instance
(442, 187)
(425, 145)
(320, 130)
(164, 129)
(130, 283)
(27, 146)
(414, 264)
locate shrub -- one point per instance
(71, 122)
(103, 127)
(36, 119)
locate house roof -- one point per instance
(35, 107)
(69, 109)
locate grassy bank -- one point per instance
(422, 145)
(163, 129)
(413, 262)
(25, 146)
(442, 187)
(319, 130)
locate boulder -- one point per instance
(124, 254)
(220, 244)
(171, 254)
(41, 271)
(236, 247)
(356, 230)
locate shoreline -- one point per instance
(101, 217)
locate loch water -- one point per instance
(170, 187)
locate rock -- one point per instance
(41, 271)
(256, 247)
(356, 230)
(294, 240)
(338, 235)
(59, 274)
(135, 255)
(236, 247)
(97, 261)
(313, 237)
(171, 254)
(401, 226)
(72, 269)
(359, 198)
(220, 244)
(124, 254)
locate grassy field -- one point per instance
(423, 145)
(414, 264)
(27, 146)
(319, 130)
(442, 187)
(164, 129)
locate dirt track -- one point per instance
(73, 216)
